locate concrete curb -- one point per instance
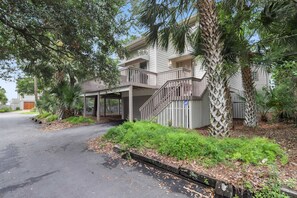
(222, 189)
(289, 192)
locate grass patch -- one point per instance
(79, 120)
(185, 144)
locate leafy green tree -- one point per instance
(25, 86)
(285, 76)
(278, 31)
(37, 35)
(278, 45)
(3, 98)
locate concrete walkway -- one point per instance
(38, 164)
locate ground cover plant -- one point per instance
(250, 161)
(51, 118)
(184, 144)
(79, 120)
(43, 115)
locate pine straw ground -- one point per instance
(281, 133)
(237, 173)
(59, 125)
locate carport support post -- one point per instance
(105, 106)
(98, 107)
(119, 107)
(85, 101)
(131, 103)
(123, 116)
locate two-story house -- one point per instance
(162, 85)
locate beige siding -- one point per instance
(235, 81)
(140, 96)
(263, 79)
(199, 71)
(153, 59)
(137, 103)
(199, 112)
(140, 92)
(163, 58)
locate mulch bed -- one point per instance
(59, 125)
(235, 173)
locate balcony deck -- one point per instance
(137, 77)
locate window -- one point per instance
(143, 65)
(255, 76)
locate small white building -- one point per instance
(25, 102)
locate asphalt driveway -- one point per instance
(37, 164)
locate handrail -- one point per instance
(175, 69)
(138, 69)
(167, 82)
(176, 89)
(172, 74)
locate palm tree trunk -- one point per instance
(217, 80)
(250, 116)
(229, 105)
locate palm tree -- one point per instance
(279, 31)
(67, 98)
(213, 48)
(238, 25)
(171, 21)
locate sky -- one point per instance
(10, 89)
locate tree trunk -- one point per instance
(250, 116)
(65, 113)
(36, 94)
(229, 105)
(217, 80)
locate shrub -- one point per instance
(185, 144)
(18, 108)
(266, 101)
(51, 118)
(79, 120)
(5, 109)
(43, 115)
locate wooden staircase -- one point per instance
(173, 90)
